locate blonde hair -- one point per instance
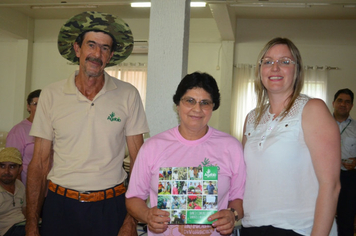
(261, 91)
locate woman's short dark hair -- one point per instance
(32, 95)
(198, 80)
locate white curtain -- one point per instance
(244, 97)
(133, 73)
(315, 82)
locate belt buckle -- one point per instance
(79, 197)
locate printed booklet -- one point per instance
(189, 194)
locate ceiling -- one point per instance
(311, 9)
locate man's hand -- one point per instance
(157, 220)
(129, 227)
(350, 163)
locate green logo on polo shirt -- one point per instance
(112, 117)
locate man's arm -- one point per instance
(38, 170)
(134, 144)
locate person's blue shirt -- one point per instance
(210, 189)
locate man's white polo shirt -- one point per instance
(89, 136)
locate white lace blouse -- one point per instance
(281, 185)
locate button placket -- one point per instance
(263, 139)
(270, 126)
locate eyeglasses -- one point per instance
(191, 102)
(34, 103)
(284, 62)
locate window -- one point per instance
(315, 82)
(133, 73)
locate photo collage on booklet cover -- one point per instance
(189, 194)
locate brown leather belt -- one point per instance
(92, 196)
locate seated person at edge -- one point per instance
(186, 145)
(19, 136)
(292, 152)
(12, 194)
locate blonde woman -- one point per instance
(292, 152)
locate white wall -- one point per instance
(205, 55)
(8, 91)
(16, 46)
(321, 42)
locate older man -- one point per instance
(12, 193)
(346, 208)
(87, 119)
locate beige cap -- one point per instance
(11, 154)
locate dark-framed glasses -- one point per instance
(284, 62)
(191, 102)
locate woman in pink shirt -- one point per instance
(19, 137)
(175, 190)
(190, 144)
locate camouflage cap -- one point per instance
(95, 21)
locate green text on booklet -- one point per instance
(189, 194)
